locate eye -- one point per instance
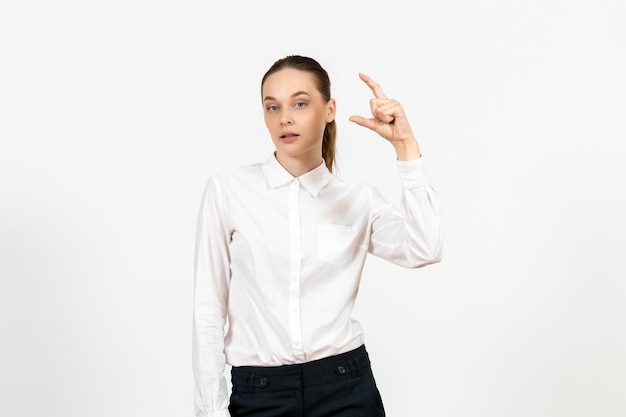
(300, 104)
(272, 107)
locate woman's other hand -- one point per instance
(389, 121)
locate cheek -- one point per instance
(317, 129)
(269, 120)
(321, 122)
(314, 119)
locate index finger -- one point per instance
(373, 85)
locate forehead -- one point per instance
(288, 81)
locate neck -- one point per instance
(298, 166)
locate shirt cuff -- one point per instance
(413, 173)
(220, 413)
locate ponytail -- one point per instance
(328, 145)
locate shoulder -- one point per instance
(224, 184)
(352, 186)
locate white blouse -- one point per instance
(279, 261)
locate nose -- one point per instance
(285, 118)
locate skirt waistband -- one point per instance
(299, 376)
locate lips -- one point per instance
(289, 137)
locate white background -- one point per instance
(114, 114)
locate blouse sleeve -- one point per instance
(411, 235)
(211, 282)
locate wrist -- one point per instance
(407, 150)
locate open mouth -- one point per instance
(289, 137)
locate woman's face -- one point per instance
(296, 114)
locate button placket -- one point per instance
(294, 269)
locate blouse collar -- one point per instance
(313, 181)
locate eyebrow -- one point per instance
(292, 96)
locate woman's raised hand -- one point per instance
(389, 121)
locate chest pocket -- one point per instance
(337, 244)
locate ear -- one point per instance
(331, 110)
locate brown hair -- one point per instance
(322, 82)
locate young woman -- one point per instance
(279, 253)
